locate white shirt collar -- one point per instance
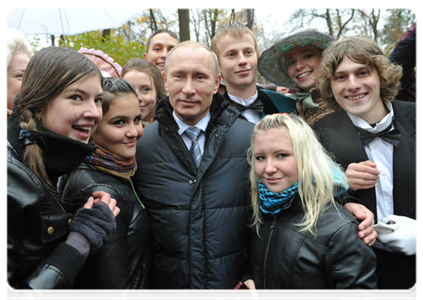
(202, 124)
(248, 102)
(380, 126)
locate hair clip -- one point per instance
(281, 114)
(28, 137)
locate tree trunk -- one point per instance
(105, 35)
(214, 23)
(153, 23)
(183, 15)
(232, 16)
(329, 22)
(250, 18)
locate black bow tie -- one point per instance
(257, 105)
(388, 135)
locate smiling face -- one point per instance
(191, 82)
(160, 45)
(303, 66)
(274, 160)
(76, 112)
(238, 61)
(15, 72)
(121, 127)
(356, 88)
(144, 86)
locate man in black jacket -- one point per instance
(374, 137)
(193, 178)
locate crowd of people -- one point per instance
(179, 171)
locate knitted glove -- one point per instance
(96, 224)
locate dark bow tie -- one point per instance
(388, 135)
(257, 105)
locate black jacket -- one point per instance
(282, 257)
(124, 260)
(404, 54)
(199, 218)
(37, 223)
(339, 136)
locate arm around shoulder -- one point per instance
(352, 263)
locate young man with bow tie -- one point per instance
(237, 50)
(374, 137)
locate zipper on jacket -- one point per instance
(272, 227)
(209, 140)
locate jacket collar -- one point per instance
(60, 154)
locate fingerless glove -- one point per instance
(96, 224)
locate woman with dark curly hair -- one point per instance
(373, 136)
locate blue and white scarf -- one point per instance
(272, 203)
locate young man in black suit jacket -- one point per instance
(374, 138)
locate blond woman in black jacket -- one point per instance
(304, 239)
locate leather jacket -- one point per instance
(282, 257)
(37, 224)
(124, 260)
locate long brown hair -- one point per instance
(50, 71)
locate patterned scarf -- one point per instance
(272, 203)
(111, 163)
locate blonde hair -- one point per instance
(17, 42)
(316, 169)
(365, 51)
(235, 30)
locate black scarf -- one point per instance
(61, 154)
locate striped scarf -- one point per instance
(110, 163)
(272, 203)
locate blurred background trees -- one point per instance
(385, 26)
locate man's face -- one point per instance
(191, 82)
(160, 45)
(237, 60)
(356, 88)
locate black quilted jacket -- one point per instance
(199, 218)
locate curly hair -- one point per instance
(362, 50)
